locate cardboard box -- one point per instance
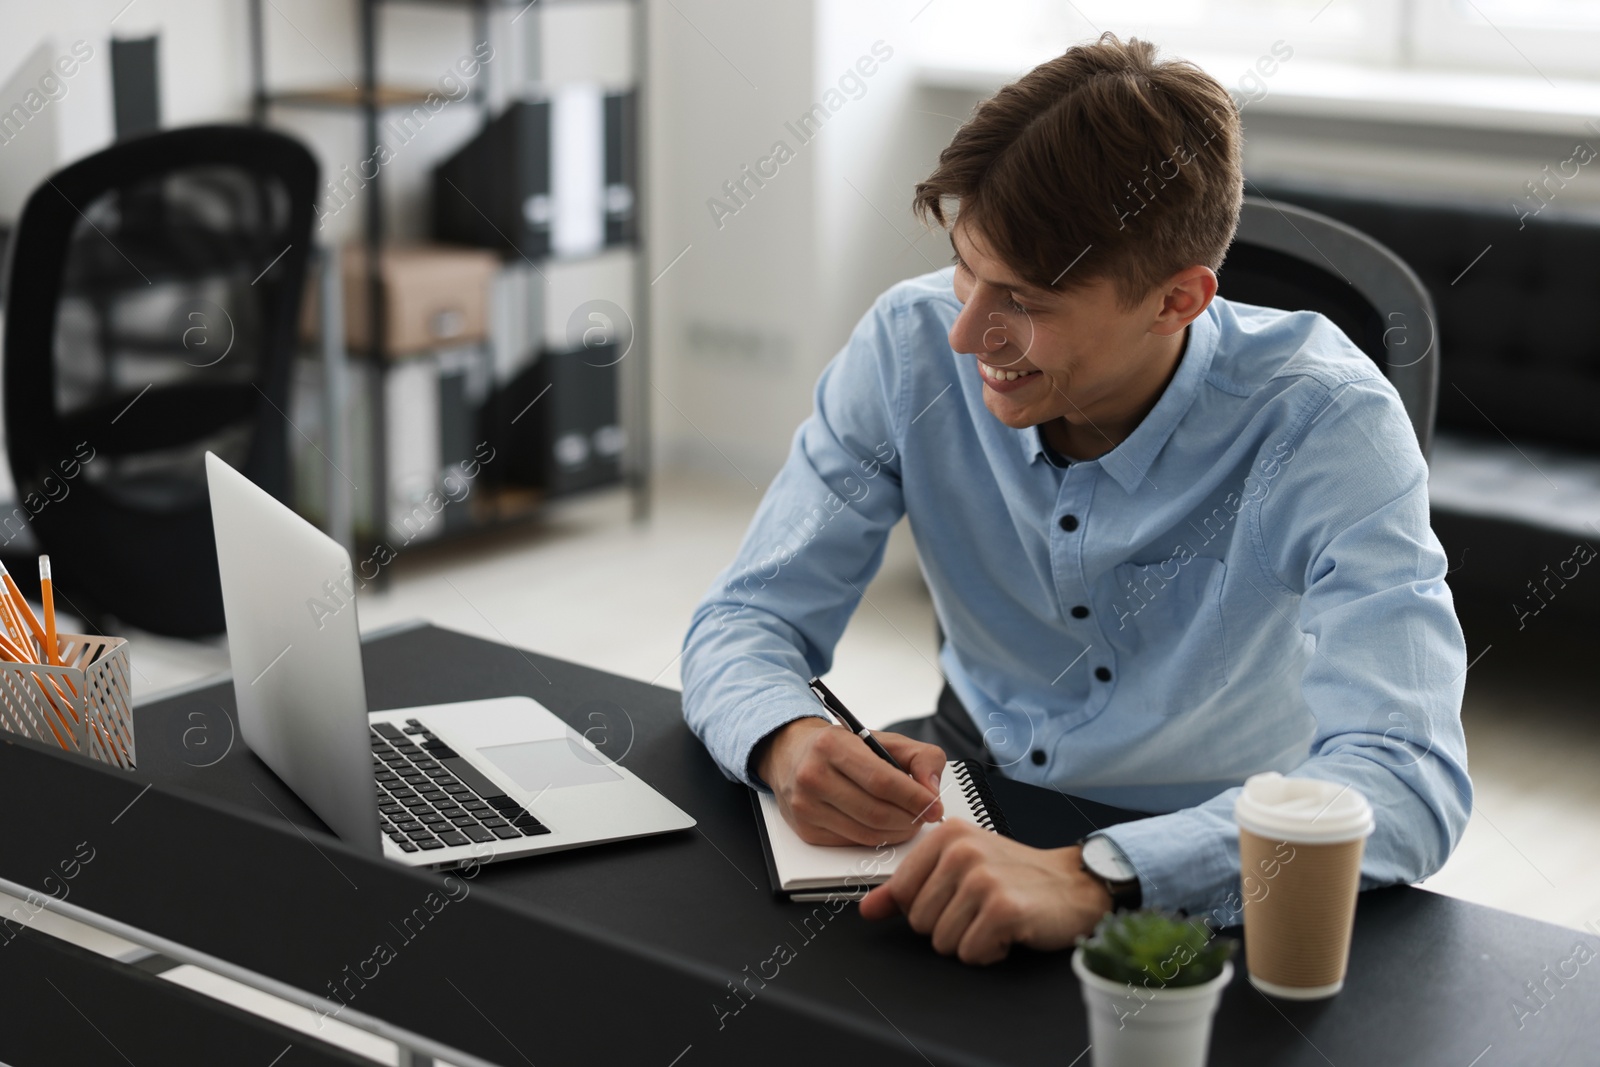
(434, 296)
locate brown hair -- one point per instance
(1103, 152)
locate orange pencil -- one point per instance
(59, 739)
(25, 614)
(45, 634)
(9, 647)
(14, 628)
(49, 643)
(47, 596)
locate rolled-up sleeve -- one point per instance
(771, 619)
(1345, 532)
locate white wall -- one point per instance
(767, 295)
(71, 122)
(871, 159)
(736, 324)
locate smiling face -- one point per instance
(1073, 355)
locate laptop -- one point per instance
(440, 786)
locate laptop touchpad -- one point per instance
(540, 765)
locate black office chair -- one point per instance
(1286, 257)
(153, 291)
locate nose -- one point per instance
(976, 333)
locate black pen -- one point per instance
(853, 724)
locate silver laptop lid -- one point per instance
(296, 664)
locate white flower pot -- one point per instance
(1139, 1027)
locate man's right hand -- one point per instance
(834, 790)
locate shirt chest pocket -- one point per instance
(1169, 615)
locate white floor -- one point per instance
(589, 585)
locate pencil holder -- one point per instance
(85, 706)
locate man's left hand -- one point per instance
(978, 893)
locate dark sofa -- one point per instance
(1515, 480)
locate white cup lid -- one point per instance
(1308, 810)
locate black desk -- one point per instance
(55, 986)
(622, 953)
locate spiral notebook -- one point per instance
(803, 871)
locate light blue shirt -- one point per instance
(1263, 590)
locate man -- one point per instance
(1172, 541)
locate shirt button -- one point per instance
(1103, 673)
(1038, 757)
(1069, 523)
(1080, 612)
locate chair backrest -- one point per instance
(1286, 257)
(153, 293)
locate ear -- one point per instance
(1183, 297)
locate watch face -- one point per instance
(1102, 856)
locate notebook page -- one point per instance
(802, 865)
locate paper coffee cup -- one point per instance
(1300, 846)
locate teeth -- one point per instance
(1000, 375)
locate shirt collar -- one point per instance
(1129, 462)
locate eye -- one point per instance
(1011, 302)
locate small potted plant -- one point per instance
(1151, 982)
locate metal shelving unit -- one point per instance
(369, 101)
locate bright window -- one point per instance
(1549, 40)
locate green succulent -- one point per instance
(1155, 949)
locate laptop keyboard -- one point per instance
(431, 798)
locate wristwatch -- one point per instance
(1105, 862)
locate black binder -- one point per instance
(495, 191)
